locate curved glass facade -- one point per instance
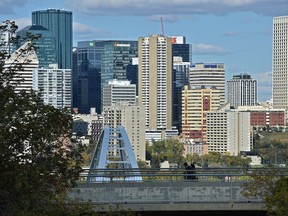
(59, 22)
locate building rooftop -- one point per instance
(34, 27)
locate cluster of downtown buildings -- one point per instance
(151, 87)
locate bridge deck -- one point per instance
(169, 191)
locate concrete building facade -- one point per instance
(93, 123)
(242, 91)
(280, 63)
(117, 91)
(262, 116)
(155, 80)
(27, 58)
(209, 74)
(196, 102)
(54, 86)
(132, 118)
(229, 132)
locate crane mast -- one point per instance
(162, 26)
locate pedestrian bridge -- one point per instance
(168, 190)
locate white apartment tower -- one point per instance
(117, 91)
(210, 75)
(26, 57)
(280, 63)
(155, 80)
(242, 91)
(54, 86)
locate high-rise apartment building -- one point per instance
(280, 63)
(229, 132)
(208, 74)
(132, 118)
(117, 92)
(27, 58)
(59, 22)
(45, 44)
(155, 80)
(54, 86)
(196, 102)
(242, 91)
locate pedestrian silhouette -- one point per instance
(193, 171)
(188, 171)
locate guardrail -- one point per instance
(217, 189)
(175, 175)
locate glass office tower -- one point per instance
(98, 62)
(116, 57)
(88, 81)
(45, 45)
(59, 22)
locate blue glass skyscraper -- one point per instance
(88, 79)
(59, 22)
(116, 57)
(98, 62)
(45, 45)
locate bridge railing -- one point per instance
(175, 175)
(166, 186)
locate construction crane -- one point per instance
(162, 26)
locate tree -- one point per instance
(38, 161)
(272, 186)
(169, 149)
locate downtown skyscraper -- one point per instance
(209, 75)
(46, 44)
(59, 22)
(155, 80)
(280, 63)
(97, 63)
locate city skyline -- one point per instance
(236, 33)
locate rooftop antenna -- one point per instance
(162, 26)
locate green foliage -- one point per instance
(155, 162)
(272, 187)
(170, 149)
(279, 198)
(236, 161)
(142, 164)
(215, 159)
(272, 147)
(38, 161)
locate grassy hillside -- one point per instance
(279, 136)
